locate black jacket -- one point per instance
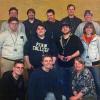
(10, 89)
(73, 22)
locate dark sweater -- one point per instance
(10, 89)
(30, 28)
(53, 29)
(42, 82)
(73, 22)
(35, 48)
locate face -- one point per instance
(18, 69)
(13, 13)
(48, 63)
(78, 66)
(71, 11)
(51, 16)
(89, 30)
(13, 26)
(88, 17)
(65, 29)
(40, 31)
(31, 15)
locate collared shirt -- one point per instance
(83, 82)
(11, 44)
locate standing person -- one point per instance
(52, 25)
(71, 19)
(13, 12)
(88, 17)
(69, 46)
(37, 46)
(91, 55)
(44, 83)
(11, 45)
(82, 83)
(31, 23)
(12, 83)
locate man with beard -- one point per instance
(31, 23)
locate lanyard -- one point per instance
(64, 44)
(14, 40)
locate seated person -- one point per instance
(44, 83)
(12, 83)
(83, 83)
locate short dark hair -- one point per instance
(41, 24)
(12, 19)
(50, 11)
(89, 24)
(31, 10)
(46, 55)
(70, 6)
(13, 8)
(18, 62)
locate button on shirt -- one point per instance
(11, 45)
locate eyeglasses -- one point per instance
(19, 67)
(13, 23)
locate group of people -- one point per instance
(62, 57)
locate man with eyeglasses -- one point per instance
(11, 45)
(12, 83)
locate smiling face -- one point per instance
(47, 63)
(18, 69)
(65, 29)
(51, 16)
(78, 66)
(13, 13)
(13, 26)
(89, 30)
(31, 15)
(71, 11)
(40, 31)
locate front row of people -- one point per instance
(45, 83)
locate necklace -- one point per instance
(64, 43)
(14, 41)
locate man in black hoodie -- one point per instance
(12, 83)
(37, 46)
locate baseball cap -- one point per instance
(88, 12)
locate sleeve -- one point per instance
(3, 25)
(22, 89)
(88, 83)
(53, 49)
(79, 31)
(99, 45)
(2, 40)
(80, 46)
(57, 86)
(27, 47)
(97, 27)
(32, 87)
(22, 28)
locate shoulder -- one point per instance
(86, 71)
(77, 18)
(5, 22)
(7, 75)
(63, 19)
